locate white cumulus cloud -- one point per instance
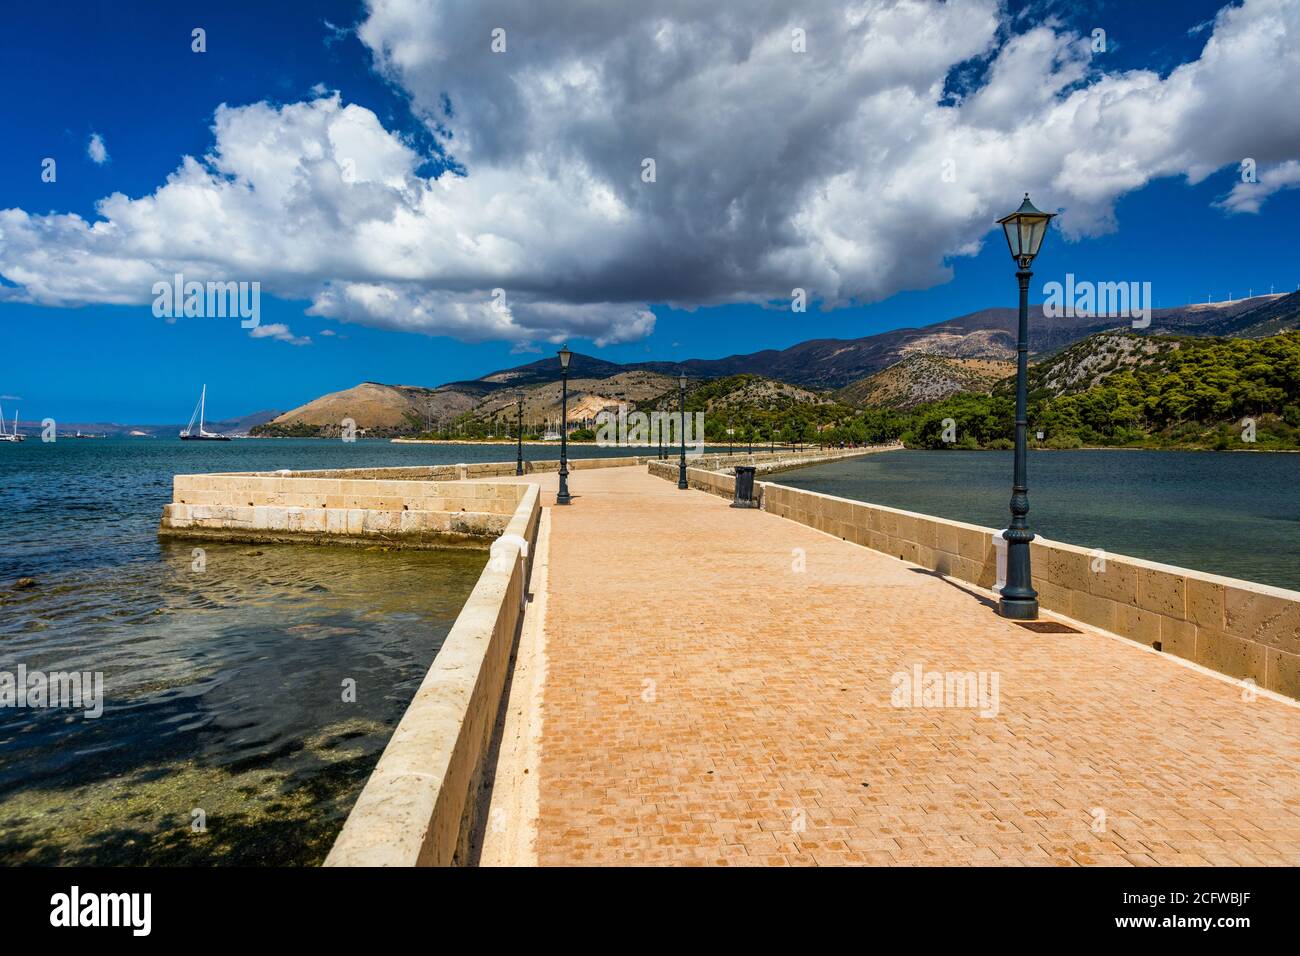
(96, 150)
(842, 170)
(1250, 196)
(280, 332)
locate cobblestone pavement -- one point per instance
(708, 702)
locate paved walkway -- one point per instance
(704, 702)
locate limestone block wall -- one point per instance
(376, 494)
(417, 808)
(715, 482)
(458, 472)
(703, 472)
(324, 507)
(461, 472)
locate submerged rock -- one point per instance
(23, 583)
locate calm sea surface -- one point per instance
(225, 737)
(1236, 514)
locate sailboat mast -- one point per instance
(203, 397)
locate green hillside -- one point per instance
(1185, 393)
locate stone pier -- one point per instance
(722, 686)
(649, 676)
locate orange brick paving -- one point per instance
(706, 704)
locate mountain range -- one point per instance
(899, 368)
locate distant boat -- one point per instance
(7, 435)
(189, 434)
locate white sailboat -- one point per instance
(189, 434)
(7, 435)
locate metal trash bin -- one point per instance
(744, 487)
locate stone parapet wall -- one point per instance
(362, 526)
(418, 806)
(374, 494)
(412, 507)
(324, 507)
(716, 473)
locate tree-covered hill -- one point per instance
(1196, 393)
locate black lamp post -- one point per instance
(1025, 229)
(681, 465)
(562, 497)
(519, 433)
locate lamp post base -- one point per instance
(1019, 609)
(1019, 600)
(681, 478)
(562, 499)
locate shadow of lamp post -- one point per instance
(562, 497)
(1025, 229)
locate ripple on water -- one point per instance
(223, 693)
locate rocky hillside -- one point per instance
(1085, 364)
(548, 370)
(1276, 314)
(377, 410)
(588, 395)
(743, 393)
(389, 410)
(987, 334)
(922, 378)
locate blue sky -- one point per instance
(125, 71)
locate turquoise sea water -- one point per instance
(1235, 514)
(223, 686)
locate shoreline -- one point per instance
(738, 449)
(1248, 451)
